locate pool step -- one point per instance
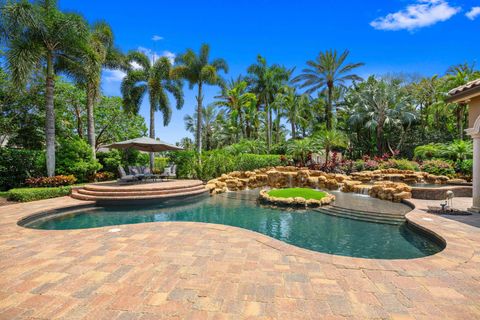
(77, 195)
(113, 192)
(369, 216)
(89, 192)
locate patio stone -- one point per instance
(187, 270)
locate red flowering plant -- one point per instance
(55, 181)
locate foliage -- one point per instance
(17, 165)
(55, 181)
(465, 167)
(438, 167)
(33, 194)
(160, 164)
(217, 162)
(305, 193)
(103, 176)
(300, 149)
(110, 160)
(430, 151)
(400, 164)
(74, 156)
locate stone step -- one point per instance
(76, 195)
(139, 193)
(373, 213)
(377, 218)
(148, 187)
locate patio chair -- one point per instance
(124, 178)
(169, 172)
(148, 174)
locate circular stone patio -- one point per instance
(185, 270)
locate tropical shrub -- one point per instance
(429, 151)
(160, 164)
(185, 161)
(371, 165)
(456, 150)
(248, 162)
(103, 176)
(55, 181)
(400, 164)
(359, 165)
(33, 194)
(110, 160)
(17, 165)
(465, 167)
(74, 156)
(438, 167)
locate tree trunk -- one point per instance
(199, 119)
(78, 114)
(379, 138)
(328, 110)
(90, 118)
(293, 128)
(269, 120)
(50, 117)
(152, 129)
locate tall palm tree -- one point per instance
(152, 78)
(37, 34)
(99, 53)
(211, 115)
(199, 70)
(266, 81)
(238, 102)
(326, 72)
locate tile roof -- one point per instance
(467, 86)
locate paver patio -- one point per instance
(182, 270)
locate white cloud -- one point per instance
(114, 75)
(135, 65)
(157, 38)
(421, 14)
(155, 55)
(473, 13)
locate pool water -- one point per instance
(307, 229)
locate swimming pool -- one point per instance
(307, 229)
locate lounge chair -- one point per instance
(169, 172)
(124, 178)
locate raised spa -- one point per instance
(307, 229)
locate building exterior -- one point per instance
(469, 94)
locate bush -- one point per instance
(438, 167)
(74, 156)
(103, 176)
(110, 160)
(248, 162)
(160, 164)
(217, 162)
(371, 165)
(400, 164)
(32, 194)
(359, 165)
(17, 165)
(464, 167)
(56, 181)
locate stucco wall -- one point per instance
(473, 111)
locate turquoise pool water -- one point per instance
(307, 229)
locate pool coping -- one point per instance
(458, 249)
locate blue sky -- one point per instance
(395, 36)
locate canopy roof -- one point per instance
(144, 144)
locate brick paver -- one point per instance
(184, 270)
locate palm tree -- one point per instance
(39, 33)
(325, 73)
(330, 139)
(210, 117)
(300, 149)
(199, 70)
(152, 78)
(377, 104)
(238, 103)
(98, 54)
(266, 81)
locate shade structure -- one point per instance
(144, 144)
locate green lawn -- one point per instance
(305, 193)
(3, 194)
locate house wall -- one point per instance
(473, 110)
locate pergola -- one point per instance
(469, 94)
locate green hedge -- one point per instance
(217, 162)
(17, 165)
(32, 194)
